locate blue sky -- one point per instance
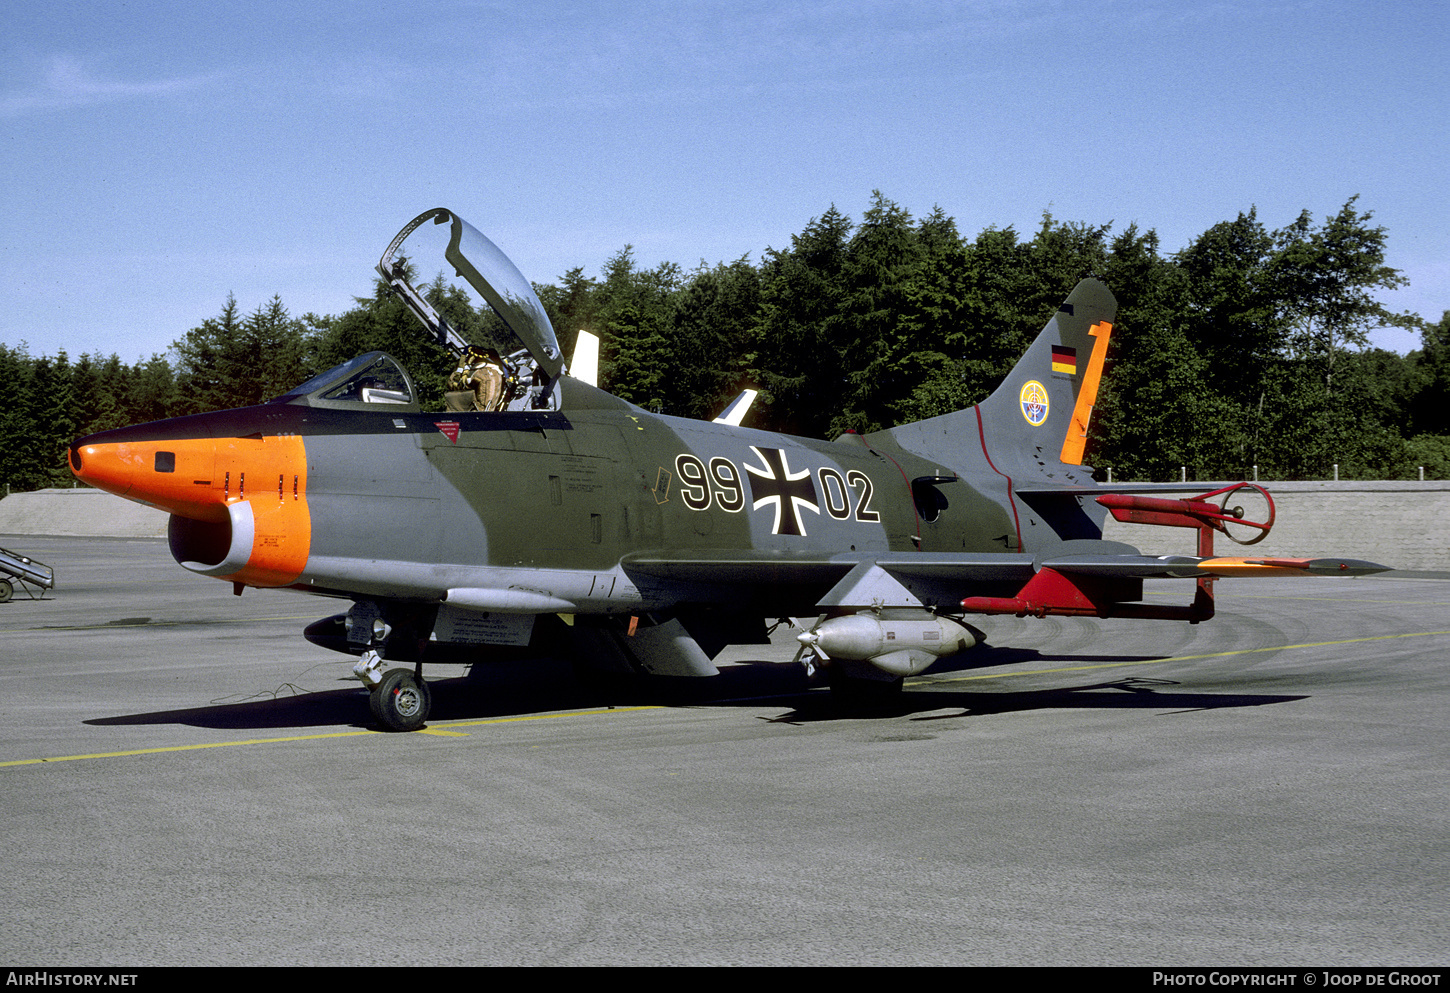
(158, 156)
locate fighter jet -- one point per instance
(539, 501)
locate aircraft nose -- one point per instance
(248, 490)
(171, 474)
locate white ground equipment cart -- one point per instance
(15, 567)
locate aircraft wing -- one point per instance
(915, 579)
(746, 566)
(859, 579)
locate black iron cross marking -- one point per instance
(789, 492)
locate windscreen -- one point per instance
(371, 378)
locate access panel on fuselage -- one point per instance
(371, 496)
(515, 493)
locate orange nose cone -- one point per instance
(260, 481)
(171, 474)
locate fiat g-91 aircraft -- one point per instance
(658, 539)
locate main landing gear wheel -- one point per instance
(7, 589)
(401, 701)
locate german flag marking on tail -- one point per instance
(1064, 360)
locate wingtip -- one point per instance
(1301, 566)
(1345, 567)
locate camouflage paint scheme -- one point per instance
(559, 502)
(625, 520)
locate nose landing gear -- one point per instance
(401, 701)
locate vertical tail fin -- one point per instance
(1041, 410)
(1047, 398)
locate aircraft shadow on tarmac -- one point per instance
(547, 685)
(1131, 693)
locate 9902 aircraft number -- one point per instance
(772, 483)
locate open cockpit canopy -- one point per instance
(492, 279)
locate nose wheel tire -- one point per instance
(401, 701)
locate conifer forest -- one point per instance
(1246, 350)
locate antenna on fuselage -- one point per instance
(585, 364)
(738, 408)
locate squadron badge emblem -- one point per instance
(1034, 403)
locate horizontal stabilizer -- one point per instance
(1282, 567)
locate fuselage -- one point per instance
(530, 510)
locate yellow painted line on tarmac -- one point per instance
(1178, 658)
(187, 748)
(544, 717)
(446, 730)
(443, 730)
